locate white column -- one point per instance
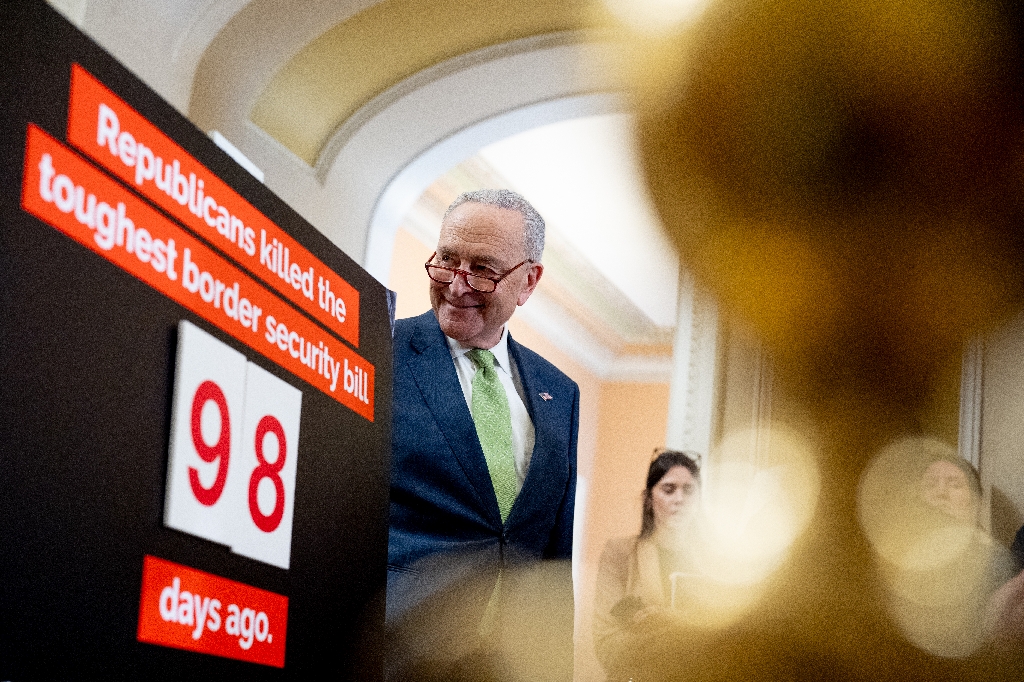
(695, 350)
(970, 402)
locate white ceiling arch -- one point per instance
(408, 184)
(422, 126)
(446, 116)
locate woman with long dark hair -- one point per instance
(634, 580)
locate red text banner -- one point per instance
(67, 192)
(183, 608)
(123, 141)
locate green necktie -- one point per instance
(494, 428)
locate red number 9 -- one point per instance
(268, 524)
(208, 453)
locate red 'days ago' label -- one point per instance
(188, 609)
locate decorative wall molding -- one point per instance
(691, 410)
(561, 329)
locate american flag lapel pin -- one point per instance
(545, 396)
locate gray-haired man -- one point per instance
(483, 474)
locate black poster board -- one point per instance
(87, 378)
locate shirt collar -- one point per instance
(500, 350)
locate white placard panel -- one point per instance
(270, 432)
(206, 432)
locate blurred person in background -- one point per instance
(951, 486)
(1006, 609)
(633, 598)
(944, 568)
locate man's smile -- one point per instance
(463, 305)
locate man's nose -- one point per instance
(459, 286)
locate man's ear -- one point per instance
(533, 276)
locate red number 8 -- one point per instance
(268, 524)
(208, 453)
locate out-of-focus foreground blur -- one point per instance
(845, 177)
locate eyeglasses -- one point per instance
(481, 283)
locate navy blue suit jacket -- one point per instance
(445, 525)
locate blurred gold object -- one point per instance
(761, 496)
(845, 177)
(655, 16)
(754, 507)
(529, 638)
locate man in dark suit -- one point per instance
(483, 478)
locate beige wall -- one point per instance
(408, 278)
(632, 419)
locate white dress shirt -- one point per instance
(522, 426)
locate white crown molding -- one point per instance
(560, 328)
(253, 45)
(654, 369)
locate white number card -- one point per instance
(233, 450)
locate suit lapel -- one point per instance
(541, 413)
(434, 372)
